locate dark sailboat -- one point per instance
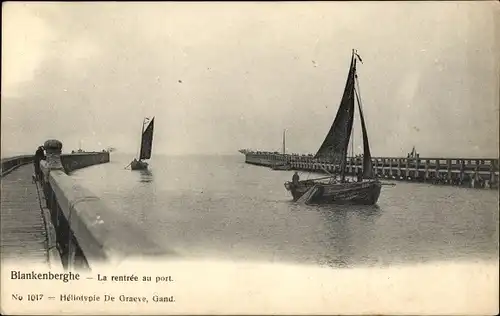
(330, 190)
(146, 145)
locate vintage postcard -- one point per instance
(250, 158)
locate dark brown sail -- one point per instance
(334, 147)
(147, 141)
(367, 158)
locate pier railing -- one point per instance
(86, 231)
(11, 163)
(475, 172)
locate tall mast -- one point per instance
(352, 132)
(343, 162)
(284, 141)
(352, 142)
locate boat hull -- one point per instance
(138, 165)
(361, 193)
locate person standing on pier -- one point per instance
(39, 155)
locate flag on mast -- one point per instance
(357, 55)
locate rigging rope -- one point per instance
(352, 141)
(357, 90)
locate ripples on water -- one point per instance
(220, 207)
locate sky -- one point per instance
(219, 77)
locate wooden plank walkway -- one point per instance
(23, 233)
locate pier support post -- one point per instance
(383, 168)
(448, 169)
(462, 171)
(438, 171)
(417, 166)
(407, 165)
(492, 174)
(426, 174)
(390, 168)
(399, 168)
(53, 149)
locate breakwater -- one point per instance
(470, 172)
(70, 162)
(75, 161)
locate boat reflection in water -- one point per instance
(349, 230)
(146, 176)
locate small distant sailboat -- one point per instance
(330, 190)
(146, 145)
(285, 165)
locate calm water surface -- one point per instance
(220, 207)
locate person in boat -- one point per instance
(295, 178)
(39, 155)
(360, 175)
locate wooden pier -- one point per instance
(28, 235)
(23, 234)
(470, 172)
